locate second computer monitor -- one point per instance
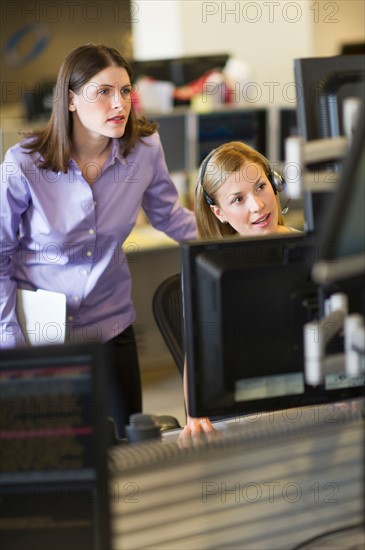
(246, 302)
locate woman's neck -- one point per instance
(91, 159)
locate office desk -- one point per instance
(265, 483)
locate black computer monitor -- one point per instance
(245, 304)
(179, 70)
(54, 489)
(217, 127)
(38, 102)
(323, 84)
(353, 48)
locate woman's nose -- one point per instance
(255, 204)
(117, 99)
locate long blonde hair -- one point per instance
(215, 168)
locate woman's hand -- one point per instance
(196, 426)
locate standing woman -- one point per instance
(70, 196)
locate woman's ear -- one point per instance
(71, 104)
(218, 213)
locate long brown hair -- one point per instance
(53, 142)
(217, 166)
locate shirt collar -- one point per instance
(117, 151)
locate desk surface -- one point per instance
(272, 483)
(147, 238)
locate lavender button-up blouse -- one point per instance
(59, 233)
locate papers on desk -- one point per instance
(42, 316)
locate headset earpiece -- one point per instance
(277, 181)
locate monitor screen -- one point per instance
(54, 491)
(245, 304)
(217, 127)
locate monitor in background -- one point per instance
(38, 102)
(324, 87)
(54, 491)
(245, 303)
(172, 128)
(217, 127)
(179, 70)
(353, 48)
(323, 84)
(188, 137)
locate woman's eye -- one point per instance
(126, 91)
(237, 200)
(261, 185)
(103, 91)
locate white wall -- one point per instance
(266, 34)
(342, 21)
(157, 29)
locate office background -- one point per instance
(265, 36)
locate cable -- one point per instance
(302, 545)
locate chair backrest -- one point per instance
(168, 313)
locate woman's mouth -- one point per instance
(263, 221)
(116, 119)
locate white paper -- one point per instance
(42, 316)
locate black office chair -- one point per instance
(168, 313)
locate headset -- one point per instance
(277, 181)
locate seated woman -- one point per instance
(237, 193)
